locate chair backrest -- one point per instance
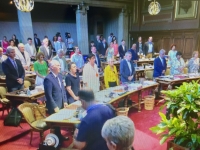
(185, 70)
(27, 109)
(149, 74)
(167, 71)
(27, 83)
(3, 92)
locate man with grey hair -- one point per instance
(88, 135)
(160, 64)
(127, 70)
(23, 56)
(119, 133)
(63, 64)
(14, 71)
(46, 50)
(55, 94)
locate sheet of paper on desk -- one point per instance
(63, 114)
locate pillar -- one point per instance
(123, 27)
(25, 25)
(82, 29)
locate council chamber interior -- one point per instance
(99, 74)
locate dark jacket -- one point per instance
(55, 95)
(121, 51)
(146, 48)
(11, 73)
(159, 67)
(125, 71)
(137, 47)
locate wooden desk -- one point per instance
(12, 96)
(27, 75)
(170, 81)
(65, 117)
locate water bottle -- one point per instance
(28, 92)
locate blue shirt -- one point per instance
(134, 54)
(91, 125)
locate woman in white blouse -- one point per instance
(177, 64)
(91, 74)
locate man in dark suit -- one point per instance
(139, 45)
(122, 49)
(149, 48)
(160, 64)
(14, 71)
(97, 59)
(55, 94)
(135, 56)
(127, 70)
(37, 42)
(46, 50)
(103, 47)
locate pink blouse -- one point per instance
(115, 46)
(5, 44)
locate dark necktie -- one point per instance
(15, 65)
(58, 82)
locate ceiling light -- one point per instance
(24, 5)
(154, 8)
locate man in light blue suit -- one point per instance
(55, 93)
(127, 70)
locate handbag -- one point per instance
(14, 118)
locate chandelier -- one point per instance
(154, 8)
(24, 5)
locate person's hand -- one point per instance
(75, 133)
(130, 78)
(135, 61)
(26, 67)
(20, 80)
(76, 98)
(80, 70)
(163, 71)
(56, 109)
(65, 105)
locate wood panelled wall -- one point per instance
(165, 29)
(186, 41)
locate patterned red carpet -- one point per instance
(15, 138)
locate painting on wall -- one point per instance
(186, 9)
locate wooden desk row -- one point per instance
(66, 116)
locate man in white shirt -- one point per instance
(2, 58)
(23, 56)
(60, 45)
(30, 48)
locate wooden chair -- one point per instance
(185, 70)
(167, 71)
(3, 100)
(27, 84)
(28, 111)
(148, 74)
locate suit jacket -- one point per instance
(146, 48)
(27, 48)
(25, 61)
(64, 62)
(121, 51)
(58, 46)
(102, 49)
(4, 57)
(44, 51)
(137, 47)
(125, 71)
(11, 73)
(97, 59)
(159, 67)
(38, 43)
(55, 95)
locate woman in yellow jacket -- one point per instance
(111, 78)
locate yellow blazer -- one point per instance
(110, 75)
